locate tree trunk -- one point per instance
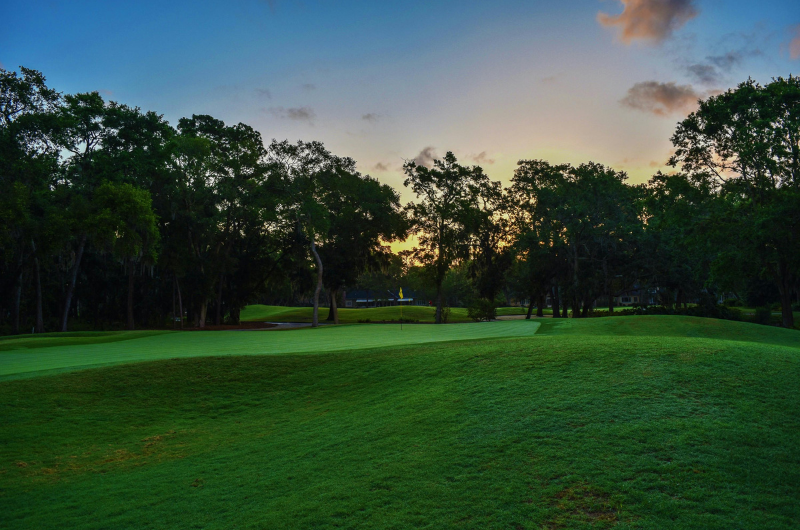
(180, 300)
(555, 300)
(540, 305)
(17, 301)
(334, 295)
(71, 286)
(173, 301)
(530, 307)
(38, 279)
(438, 317)
(315, 317)
(585, 311)
(201, 321)
(786, 284)
(130, 324)
(218, 316)
(330, 309)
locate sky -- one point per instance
(384, 82)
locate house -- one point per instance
(377, 298)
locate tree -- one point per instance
(307, 172)
(363, 215)
(443, 218)
(747, 139)
(578, 225)
(28, 162)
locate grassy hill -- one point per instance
(21, 357)
(272, 313)
(641, 422)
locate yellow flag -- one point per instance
(401, 293)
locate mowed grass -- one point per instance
(45, 340)
(273, 313)
(61, 353)
(642, 422)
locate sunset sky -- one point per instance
(382, 82)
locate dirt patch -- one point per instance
(585, 504)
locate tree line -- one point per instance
(109, 214)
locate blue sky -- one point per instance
(387, 81)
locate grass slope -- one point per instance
(273, 313)
(27, 361)
(45, 340)
(643, 422)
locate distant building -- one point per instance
(368, 298)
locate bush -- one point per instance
(763, 315)
(482, 309)
(705, 310)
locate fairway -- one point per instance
(637, 422)
(274, 313)
(21, 357)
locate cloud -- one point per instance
(309, 86)
(264, 93)
(549, 80)
(662, 99)
(426, 157)
(482, 158)
(794, 44)
(711, 72)
(380, 166)
(704, 73)
(651, 20)
(371, 116)
(727, 60)
(296, 113)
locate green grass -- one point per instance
(643, 422)
(113, 348)
(271, 313)
(45, 340)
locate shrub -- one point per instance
(482, 309)
(763, 315)
(705, 310)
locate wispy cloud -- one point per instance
(380, 166)
(549, 80)
(794, 44)
(706, 74)
(426, 157)
(482, 158)
(264, 93)
(662, 99)
(295, 113)
(309, 86)
(649, 20)
(371, 117)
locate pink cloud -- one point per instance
(652, 20)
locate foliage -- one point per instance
(446, 215)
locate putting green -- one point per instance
(29, 360)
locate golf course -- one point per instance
(628, 422)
